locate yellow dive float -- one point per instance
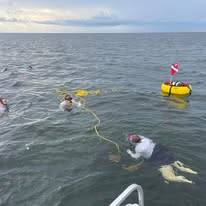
(177, 88)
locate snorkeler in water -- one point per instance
(158, 156)
(3, 105)
(67, 104)
(5, 69)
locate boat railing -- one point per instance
(127, 192)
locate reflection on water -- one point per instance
(178, 101)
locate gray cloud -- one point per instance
(93, 22)
(152, 18)
(110, 22)
(104, 20)
(2, 19)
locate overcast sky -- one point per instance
(102, 16)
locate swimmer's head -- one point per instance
(134, 138)
(67, 97)
(3, 101)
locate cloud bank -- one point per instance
(96, 16)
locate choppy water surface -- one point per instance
(54, 158)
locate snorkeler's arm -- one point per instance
(78, 104)
(133, 155)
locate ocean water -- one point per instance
(54, 158)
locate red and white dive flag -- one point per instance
(174, 68)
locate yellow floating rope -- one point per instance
(133, 168)
(63, 92)
(97, 125)
(84, 93)
(81, 93)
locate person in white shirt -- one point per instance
(67, 104)
(158, 156)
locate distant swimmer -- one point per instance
(27, 68)
(5, 69)
(67, 104)
(3, 105)
(158, 156)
